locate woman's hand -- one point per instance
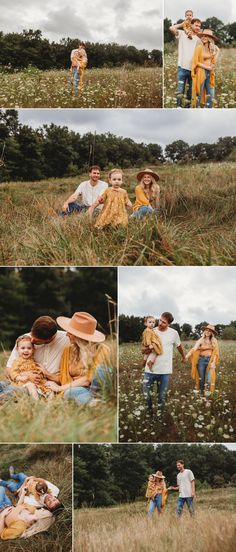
(53, 386)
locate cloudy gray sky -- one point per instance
(135, 22)
(192, 294)
(161, 126)
(225, 11)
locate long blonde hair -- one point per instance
(153, 192)
(82, 351)
(202, 339)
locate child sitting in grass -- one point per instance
(151, 340)
(24, 366)
(115, 201)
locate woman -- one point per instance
(147, 194)
(85, 364)
(204, 357)
(156, 492)
(203, 70)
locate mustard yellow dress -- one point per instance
(114, 211)
(21, 365)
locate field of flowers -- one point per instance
(225, 87)
(126, 87)
(187, 417)
(196, 225)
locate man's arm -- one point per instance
(71, 199)
(181, 352)
(193, 488)
(174, 28)
(173, 488)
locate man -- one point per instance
(186, 488)
(163, 365)
(187, 43)
(89, 191)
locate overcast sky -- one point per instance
(161, 126)
(191, 294)
(135, 22)
(223, 10)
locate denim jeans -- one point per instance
(202, 366)
(156, 503)
(76, 77)
(8, 390)
(4, 500)
(180, 505)
(83, 395)
(184, 81)
(74, 208)
(145, 210)
(210, 91)
(15, 485)
(162, 381)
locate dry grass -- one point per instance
(126, 87)
(127, 527)
(196, 226)
(52, 462)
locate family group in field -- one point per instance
(74, 363)
(157, 491)
(110, 203)
(197, 58)
(27, 505)
(157, 347)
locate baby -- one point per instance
(115, 201)
(36, 487)
(187, 26)
(151, 340)
(24, 366)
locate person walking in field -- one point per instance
(79, 60)
(186, 488)
(89, 191)
(204, 357)
(186, 47)
(115, 201)
(156, 493)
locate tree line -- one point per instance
(132, 327)
(29, 48)
(225, 32)
(106, 475)
(27, 293)
(53, 151)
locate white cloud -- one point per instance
(225, 11)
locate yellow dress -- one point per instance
(21, 365)
(114, 211)
(150, 338)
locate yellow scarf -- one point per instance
(102, 356)
(199, 75)
(215, 355)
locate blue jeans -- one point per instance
(145, 210)
(202, 366)
(184, 79)
(210, 91)
(156, 503)
(162, 381)
(180, 505)
(15, 485)
(8, 390)
(75, 75)
(4, 500)
(74, 208)
(83, 395)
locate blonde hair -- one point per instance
(154, 190)
(115, 171)
(82, 351)
(24, 338)
(147, 317)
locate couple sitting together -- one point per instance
(74, 363)
(33, 513)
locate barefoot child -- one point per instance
(24, 366)
(115, 201)
(151, 340)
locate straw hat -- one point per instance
(160, 475)
(210, 327)
(148, 171)
(209, 33)
(82, 325)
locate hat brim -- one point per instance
(64, 323)
(210, 329)
(208, 36)
(142, 173)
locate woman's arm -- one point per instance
(83, 381)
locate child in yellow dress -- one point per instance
(187, 23)
(115, 201)
(24, 366)
(151, 340)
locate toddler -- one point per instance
(187, 27)
(150, 339)
(115, 201)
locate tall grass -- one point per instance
(127, 527)
(196, 225)
(54, 463)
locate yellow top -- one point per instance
(16, 528)
(114, 211)
(199, 75)
(194, 355)
(21, 365)
(102, 356)
(156, 488)
(149, 337)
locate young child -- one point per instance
(115, 201)
(187, 27)
(24, 366)
(36, 487)
(150, 339)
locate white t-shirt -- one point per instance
(30, 499)
(186, 49)
(90, 193)
(184, 483)
(164, 363)
(48, 354)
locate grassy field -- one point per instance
(23, 420)
(187, 418)
(123, 87)
(225, 87)
(54, 463)
(126, 527)
(196, 225)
